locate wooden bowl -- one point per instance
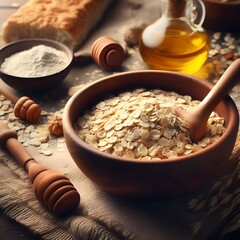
(222, 16)
(34, 84)
(148, 178)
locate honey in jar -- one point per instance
(176, 41)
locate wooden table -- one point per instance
(210, 71)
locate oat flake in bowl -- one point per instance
(142, 124)
(129, 177)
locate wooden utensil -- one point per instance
(107, 53)
(197, 117)
(24, 108)
(52, 189)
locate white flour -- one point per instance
(38, 61)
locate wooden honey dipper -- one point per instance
(107, 53)
(24, 108)
(52, 189)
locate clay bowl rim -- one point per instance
(222, 16)
(68, 124)
(230, 3)
(25, 44)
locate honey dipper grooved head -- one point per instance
(27, 109)
(55, 191)
(107, 53)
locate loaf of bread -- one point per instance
(67, 21)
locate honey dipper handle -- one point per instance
(52, 189)
(8, 138)
(10, 96)
(228, 80)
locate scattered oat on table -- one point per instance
(36, 135)
(142, 124)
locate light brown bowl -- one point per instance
(34, 84)
(222, 16)
(142, 178)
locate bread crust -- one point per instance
(67, 21)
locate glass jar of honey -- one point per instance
(176, 41)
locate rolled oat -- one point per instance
(145, 126)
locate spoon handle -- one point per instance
(228, 80)
(10, 96)
(82, 58)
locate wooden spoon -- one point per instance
(197, 118)
(52, 188)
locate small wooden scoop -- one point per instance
(24, 108)
(52, 188)
(197, 117)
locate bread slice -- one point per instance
(67, 21)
